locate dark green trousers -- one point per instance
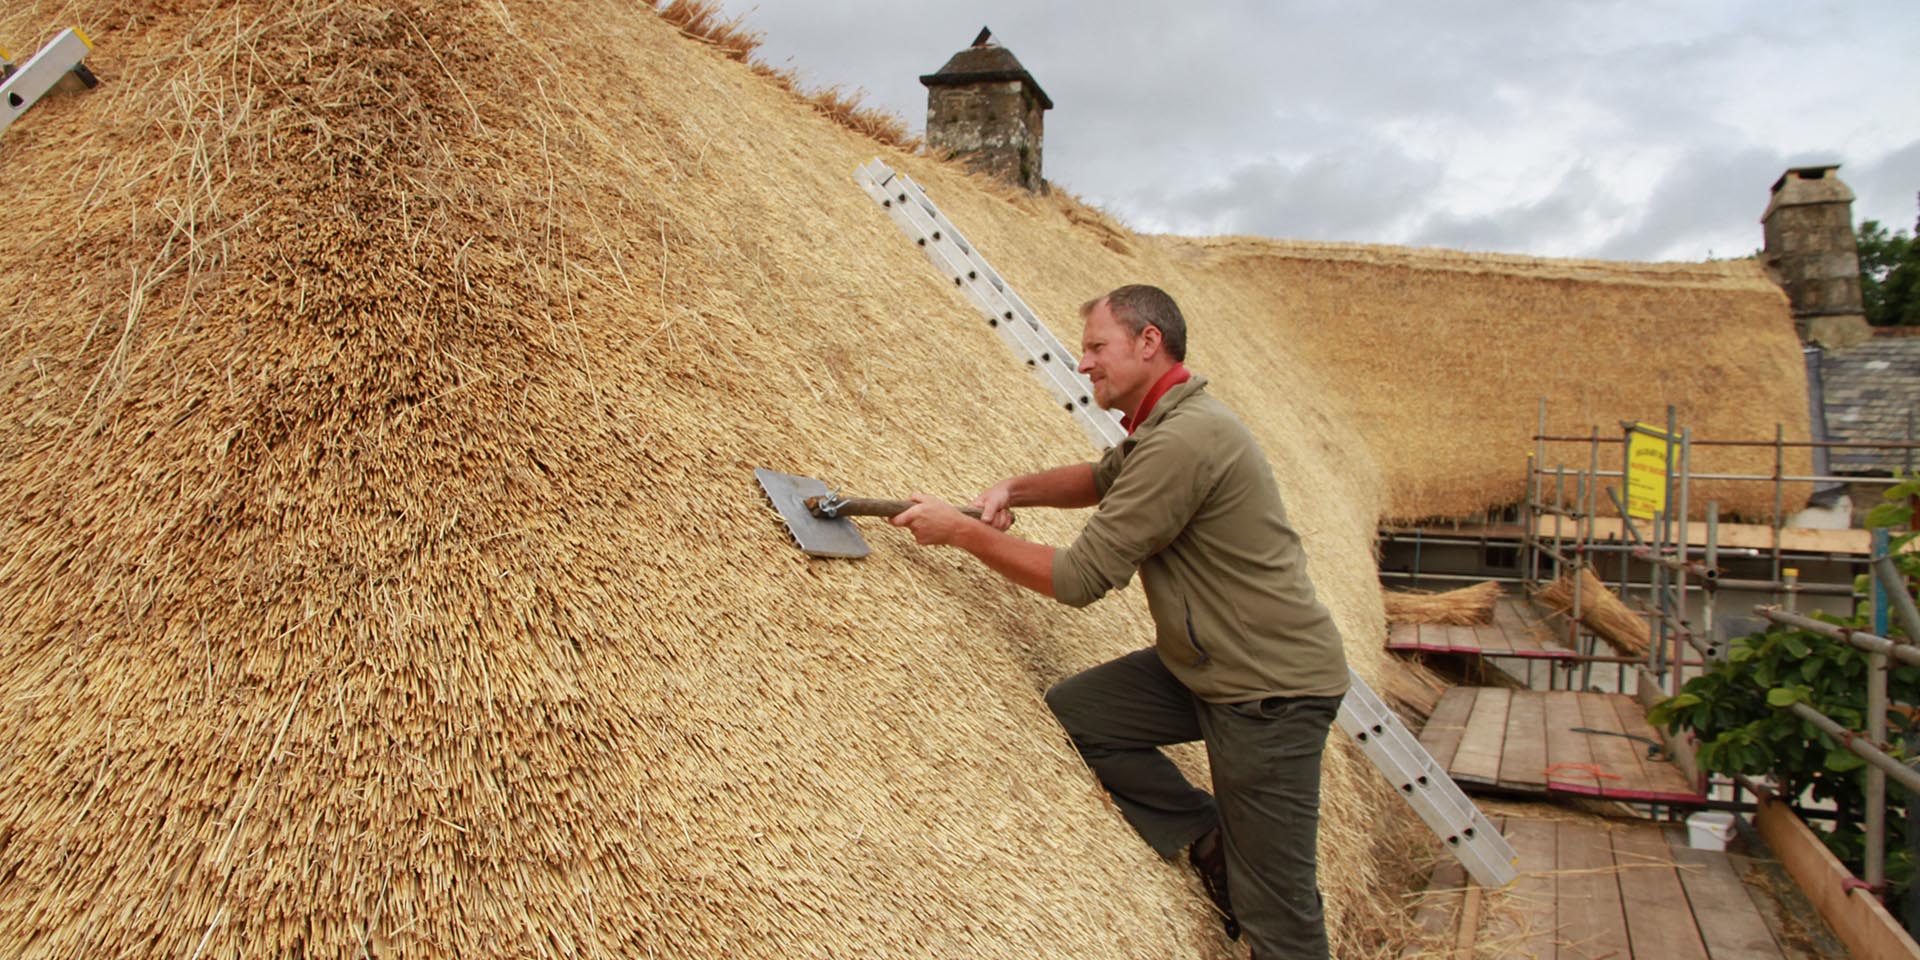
(1265, 757)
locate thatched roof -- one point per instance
(382, 387)
(385, 570)
(1440, 359)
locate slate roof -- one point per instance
(1870, 390)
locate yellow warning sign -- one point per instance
(1647, 472)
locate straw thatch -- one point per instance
(382, 384)
(706, 22)
(1465, 607)
(1600, 610)
(1440, 359)
(385, 573)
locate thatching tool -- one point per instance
(817, 517)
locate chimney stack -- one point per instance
(1811, 253)
(983, 107)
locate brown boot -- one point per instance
(1209, 858)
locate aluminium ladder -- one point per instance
(1376, 729)
(23, 86)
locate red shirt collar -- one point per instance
(1172, 378)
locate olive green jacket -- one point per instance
(1189, 500)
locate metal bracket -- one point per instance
(24, 86)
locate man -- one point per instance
(1245, 657)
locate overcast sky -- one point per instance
(1581, 128)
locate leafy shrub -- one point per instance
(1739, 712)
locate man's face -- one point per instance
(1116, 360)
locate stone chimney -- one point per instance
(983, 107)
(1810, 252)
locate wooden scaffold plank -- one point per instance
(1448, 723)
(1593, 925)
(1618, 759)
(1492, 641)
(1478, 759)
(1664, 779)
(1403, 636)
(1527, 926)
(1729, 923)
(1570, 763)
(1459, 639)
(1523, 758)
(1658, 920)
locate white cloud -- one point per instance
(1888, 188)
(1630, 129)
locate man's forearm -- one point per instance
(1024, 562)
(1068, 486)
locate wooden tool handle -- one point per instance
(861, 507)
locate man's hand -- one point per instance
(932, 521)
(993, 504)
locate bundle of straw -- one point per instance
(1465, 607)
(1600, 611)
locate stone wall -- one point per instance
(1810, 251)
(994, 127)
(1820, 264)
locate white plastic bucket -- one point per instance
(1709, 830)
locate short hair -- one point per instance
(1140, 306)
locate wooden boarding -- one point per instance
(1437, 909)
(1737, 535)
(1589, 889)
(1478, 759)
(1480, 531)
(1571, 751)
(1730, 924)
(1526, 741)
(1658, 919)
(1667, 776)
(1609, 529)
(1679, 745)
(1457, 639)
(1526, 633)
(1524, 761)
(1403, 636)
(1612, 752)
(1531, 929)
(1492, 641)
(1592, 920)
(1445, 726)
(1855, 916)
(1516, 631)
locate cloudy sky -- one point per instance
(1617, 129)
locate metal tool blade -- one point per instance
(817, 536)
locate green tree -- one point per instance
(1889, 274)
